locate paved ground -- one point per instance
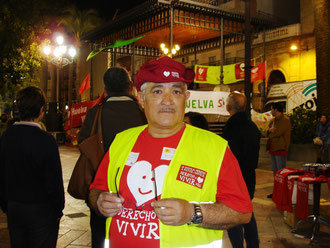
(273, 230)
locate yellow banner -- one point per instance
(211, 74)
(229, 74)
(207, 74)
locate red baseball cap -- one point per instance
(163, 70)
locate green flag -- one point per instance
(118, 43)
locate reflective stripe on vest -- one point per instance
(198, 149)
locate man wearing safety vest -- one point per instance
(168, 184)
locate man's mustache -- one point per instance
(167, 109)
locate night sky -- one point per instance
(107, 8)
(288, 10)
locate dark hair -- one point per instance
(278, 106)
(29, 102)
(4, 118)
(197, 120)
(117, 80)
(326, 116)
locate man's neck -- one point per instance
(119, 98)
(30, 123)
(36, 120)
(161, 132)
(279, 115)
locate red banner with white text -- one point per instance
(77, 114)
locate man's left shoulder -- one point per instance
(253, 126)
(45, 139)
(205, 135)
(286, 119)
(133, 130)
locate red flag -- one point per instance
(85, 85)
(258, 72)
(240, 70)
(100, 99)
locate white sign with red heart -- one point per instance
(140, 181)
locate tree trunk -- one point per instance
(322, 41)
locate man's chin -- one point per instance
(169, 124)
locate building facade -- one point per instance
(273, 40)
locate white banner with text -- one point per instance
(207, 102)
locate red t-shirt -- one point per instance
(137, 224)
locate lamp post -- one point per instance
(60, 55)
(167, 51)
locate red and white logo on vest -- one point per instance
(192, 176)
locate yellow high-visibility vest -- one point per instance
(197, 148)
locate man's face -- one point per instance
(164, 104)
(323, 119)
(273, 111)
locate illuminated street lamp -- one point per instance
(166, 51)
(293, 47)
(60, 55)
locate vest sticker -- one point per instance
(192, 176)
(167, 153)
(132, 158)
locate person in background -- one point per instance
(322, 134)
(11, 122)
(168, 184)
(4, 118)
(42, 125)
(31, 183)
(196, 119)
(278, 133)
(243, 139)
(120, 112)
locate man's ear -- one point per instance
(228, 107)
(187, 94)
(140, 98)
(105, 92)
(41, 113)
(130, 90)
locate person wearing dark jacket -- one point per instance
(31, 183)
(243, 138)
(323, 134)
(120, 112)
(196, 119)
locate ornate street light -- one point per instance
(166, 51)
(60, 55)
(293, 47)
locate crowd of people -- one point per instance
(164, 180)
